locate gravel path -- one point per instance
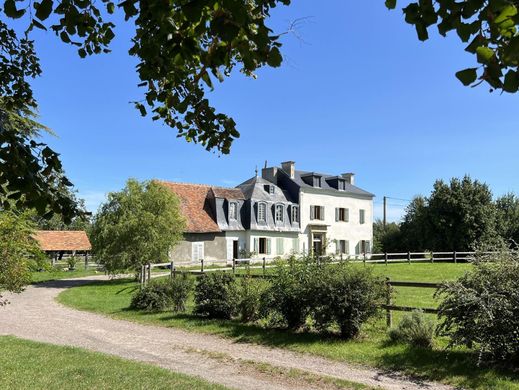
(35, 315)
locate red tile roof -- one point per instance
(195, 206)
(63, 240)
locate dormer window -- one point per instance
(317, 181)
(262, 212)
(341, 185)
(271, 189)
(295, 214)
(279, 213)
(233, 211)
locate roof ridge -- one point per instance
(195, 184)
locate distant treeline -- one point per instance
(461, 215)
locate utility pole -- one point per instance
(385, 211)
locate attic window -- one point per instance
(271, 189)
(262, 212)
(341, 185)
(317, 181)
(279, 213)
(233, 211)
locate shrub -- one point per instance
(414, 328)
(216, 295)
(290, 295)
(71, 262)
(481, 310)
(252, 293)
(154, 297)
(345, 297)
(179, 289)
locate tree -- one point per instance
(18, 251)
(387, 238)
(490, 27)
(58, 221)
(415, 228)
(137, 225)
(508, 218)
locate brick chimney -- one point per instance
(289, 167)
(349, 177)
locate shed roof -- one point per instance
(63, 240)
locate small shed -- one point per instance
(57, 243)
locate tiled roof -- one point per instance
(195, 206)
(63, 240)
(227, 193)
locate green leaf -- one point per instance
(110, 7)
(390, 4)
(511, 83)
(484, 54)
(11, 10)
(467, 76)
(43, 9)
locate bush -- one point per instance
(216, 295)
(71, 262)
(252, 294)
(345, 297)
(291, 292)
(415, 329)
(179, 289)
(481, 310)
(154, 297)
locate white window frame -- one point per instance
(197, 250)
(295, 213)
(262, 208)
(233, 216)
(281, 215)
(362, 216)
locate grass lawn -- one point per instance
(45, 276)
(454, 367)
(31, 365)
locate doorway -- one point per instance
(317, 244)
(235, 250)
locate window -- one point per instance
(363, 247)
(279, 213)
(341, 186)
(233, 211)
(295, 214)
(271, 189)
(197, 251)
(362, 216)
(262, 246)
(262, 212)
(342, 214)
(317, 181)
(295, 245)
(343, 247)
(317, 212)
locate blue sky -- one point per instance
(360, 93)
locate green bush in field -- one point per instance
(344, 297)
(481, 310)
(179, 289)
(154, 297)
(252, 293)
(290, 296)
(216, 295)
(415, 329)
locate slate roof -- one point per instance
(350, 189)
(227, 193)
(63, 240)
(195, 206)
(254, 188)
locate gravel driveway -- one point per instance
(35, 315)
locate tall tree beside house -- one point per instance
(18, 250)
(508, 218)
(137, 225)
(415, 228)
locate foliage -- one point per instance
(137, 225)
(18, 251)
(291, 291)
(508, 218)
(180, 288)
(252, 293)
(489, 27)
(346, 297)
(415, 329)
(153, 297)
(216, 295)
(458, 216)
(481, 309)
(386, 238)
(58, 221)
(72, 262)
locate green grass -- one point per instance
(455, 367)
(45, 276)
(32, 365)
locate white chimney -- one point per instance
(289, 167)
(349, 177)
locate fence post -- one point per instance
(389, 319)
(141, 276)
(364, 258)
(385, 257)
(264, 265)
(432, 257)
(86, 260)
(233, 266)
(409, 257)
(149, 272)
(171, 270)
(202, 265)
(455, 257)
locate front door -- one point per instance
(317, 247)
(235, 249)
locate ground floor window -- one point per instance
(343, 247)
(197, 251)
(280, 250)
(262, 246)
(363, 246)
